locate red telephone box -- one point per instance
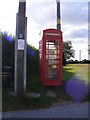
(50, 57)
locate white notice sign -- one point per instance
(21, 44)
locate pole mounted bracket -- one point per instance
(22, 0)
(57, 0)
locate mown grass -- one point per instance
(10, 103)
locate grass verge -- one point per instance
(11, 103)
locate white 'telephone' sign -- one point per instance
(21, 44)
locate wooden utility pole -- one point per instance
(20, 50)
(58, 15)
(88, 31)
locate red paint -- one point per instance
(50, 58)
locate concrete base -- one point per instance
(13, 94)
(50, 93)
(33, 95)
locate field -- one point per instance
(10, 103)
(76, 70)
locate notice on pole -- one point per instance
(21, 44)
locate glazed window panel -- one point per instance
(52, 59)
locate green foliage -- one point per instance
(32, 60)
(11, 103)
(8, 54)
(32, 54)
(68, 50)
(64, 60)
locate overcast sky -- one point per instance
(42, 15)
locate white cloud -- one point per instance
(84, 50)
(41, 18)
(76, 33)
(8, 9)
(75, 26)
(74, 19)
(74, 13)
(42, 13)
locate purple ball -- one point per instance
(77, 89)
(10, 39)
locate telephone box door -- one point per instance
(53, 59)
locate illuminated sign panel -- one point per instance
(53, 34)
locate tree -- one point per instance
(8, 51)
(64, 60)
(8, 48)
(32, 60)
(68, 50)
